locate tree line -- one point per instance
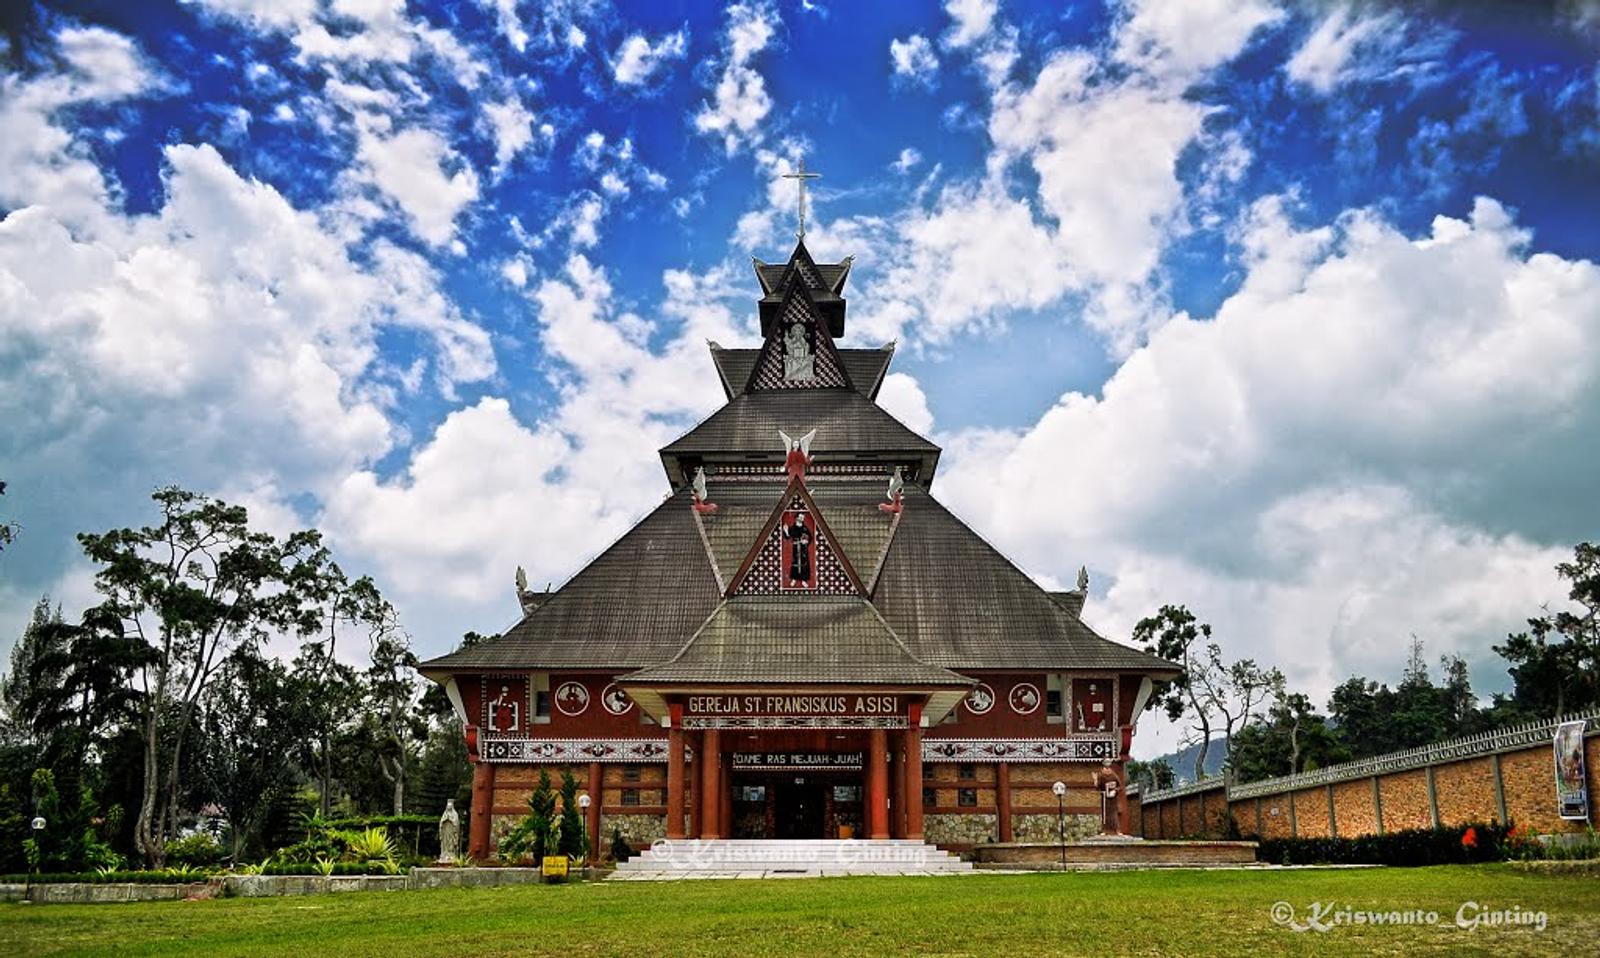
(1266, 729)
(174, 703)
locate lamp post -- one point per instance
(38, 826)
(1060, 788)
(583, 805)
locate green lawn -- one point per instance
(1126, 913)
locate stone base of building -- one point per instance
(1126, 852)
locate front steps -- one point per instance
(787, 858)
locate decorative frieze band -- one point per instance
(540, 750)
(1078, 748)
(691, 722)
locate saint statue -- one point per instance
(799, 362)
(1108, 782)
(799, 537)
(449, 833)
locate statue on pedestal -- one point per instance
(1108, 782)
(449, 833)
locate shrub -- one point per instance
(621, 851)
(373, 844)
(198, 848)
(1411, 847)
(573, 839)
(532, 836)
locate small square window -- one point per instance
(927, 770)
(630, 773)
(630, 796)
(847, 793)
(930, 797)
(967, 798)
(966, 772)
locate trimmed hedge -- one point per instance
(1409, 848)
(115, 878)
(339, 868)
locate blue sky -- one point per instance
(1284, 310)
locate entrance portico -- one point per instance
(850, 766)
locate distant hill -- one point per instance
(1182, 761)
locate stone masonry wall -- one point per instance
(1043, 828)
(1465, 789)
(1354, 811)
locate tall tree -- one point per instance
(192, 588)
(254, 713)
(1555, 665)
(391, 694)
(1176, 635)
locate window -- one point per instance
(630, 796)
(927, 770)
(966, 772)
(541, 699)
(752, 793)
(630, 773)
(1053, 711)
(967, 798)
(847, 793)
(930, 797)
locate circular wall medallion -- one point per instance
(980, 699)
(615, 700)
(572, 698)
(1024, 698)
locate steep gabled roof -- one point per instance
(796, 640)
(850, 428)
(865, 367)
(956, 601)
(629, 607)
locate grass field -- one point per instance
(1126, 913)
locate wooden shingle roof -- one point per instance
(797, 639)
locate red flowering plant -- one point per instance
(1469, 838)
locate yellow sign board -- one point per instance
(555, 866)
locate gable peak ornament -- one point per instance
(796, 453)
(702, 502)
(799, 174)
(897, 484)
(1083, 579)
(527, 599)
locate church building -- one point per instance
(801, 641)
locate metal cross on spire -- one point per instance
(800, 176)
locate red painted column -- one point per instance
(897, 789)
(482, 800)
(725, 794)
(597, 787)
(691, 777)
(710, 759)
(913, 776)
(1002, 794)
(878, 785)
(675, 775)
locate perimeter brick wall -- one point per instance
(1470, 778)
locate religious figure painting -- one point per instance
(799, 566)
(505, 710)
(799, 359)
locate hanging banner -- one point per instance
(1572, 780)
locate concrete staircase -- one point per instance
(795, 858)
